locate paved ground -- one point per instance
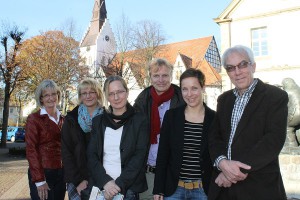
(13, 175)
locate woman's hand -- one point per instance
(82, 186)
(43, 191)
(111, 189)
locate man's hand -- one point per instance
(158, 197)
(43, 191)
(111, 189)
(222, 181)
(81, 186)
(231, 170)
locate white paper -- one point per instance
(97, 194)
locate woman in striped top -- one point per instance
(183, 166)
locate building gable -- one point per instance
(198, 53)
(98, 19)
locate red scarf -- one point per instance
(157, 100)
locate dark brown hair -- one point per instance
(192, 72)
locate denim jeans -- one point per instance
(55, 181)
(131, 195)
(187, 194)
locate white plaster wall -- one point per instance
(179, 67)
(90, 56)
(105, 48)
(283, 37)
(212, 94)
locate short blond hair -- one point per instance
(155, 64)
(94, 85)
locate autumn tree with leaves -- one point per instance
(53, 55)
(10, 68)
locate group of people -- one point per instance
(169, 145)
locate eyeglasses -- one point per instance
(241, 65)
(48, 96)
(85, 94)
(119, 93)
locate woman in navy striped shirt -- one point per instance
(183, 167)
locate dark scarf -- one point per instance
(157, 100)
(109, 117)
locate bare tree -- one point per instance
(124, 34)
(10, 70)
(136, 46)
(148, 38)
(70, 29)
(124, 41)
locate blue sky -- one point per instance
(180, 20)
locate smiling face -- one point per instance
(88, 97)
(241, 78)
(49, 98)
(192, 92)
(161, 79)
(117, 97)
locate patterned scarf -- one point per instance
(157, 101)
(84, 118)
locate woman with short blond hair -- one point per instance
(76, 133)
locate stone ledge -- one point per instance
(290, 170)
(290, 150)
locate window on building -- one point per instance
(259, 39)
(212, 56)
(11, 110)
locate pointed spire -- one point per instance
(97, 21)
(99, 7)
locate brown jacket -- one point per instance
(43, 145)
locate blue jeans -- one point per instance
(131, 195)
(186, 194)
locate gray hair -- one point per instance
(45, 84)
(111, 79)
(240, 49)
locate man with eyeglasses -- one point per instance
(248, 134)
(155, 101)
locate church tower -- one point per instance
(98, 44)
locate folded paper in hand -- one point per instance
(97, 194)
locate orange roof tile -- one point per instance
(192, 53)
(195, 49)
